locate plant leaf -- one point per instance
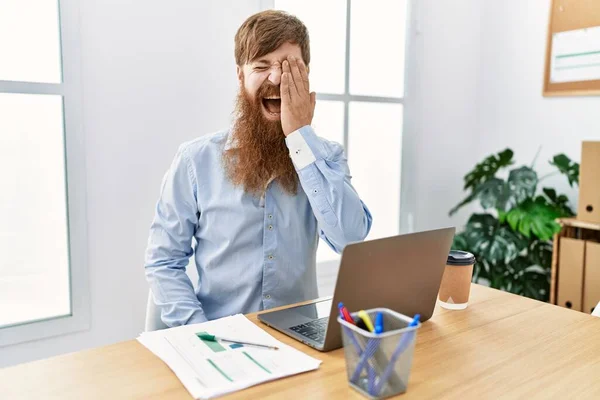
(551, 194)
(522, 183)
(487, 168)
(502, 216)
(491, 240)
(526, 230)
(460, 242)
(567, 167)
(492, 193)
(540, 253)
(560, 203)
(535, 216)
(536, 284)
(513, 217)
(525, 279)
(481, 270)
(481, 174)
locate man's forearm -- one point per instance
(174, 295)
(323, 173)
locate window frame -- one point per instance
(346, 98)
(71, 91)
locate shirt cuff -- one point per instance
(304, 146)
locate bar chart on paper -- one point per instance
(209, 368)
(214, 346)
(218, 361)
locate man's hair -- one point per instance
(265, 32)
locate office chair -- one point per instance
(153, 320)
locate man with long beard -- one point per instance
(257, 197)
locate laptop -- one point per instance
(402, 273)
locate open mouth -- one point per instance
(272, 104)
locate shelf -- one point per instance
(574, 222)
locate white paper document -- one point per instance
(575, 55)
(210, 369)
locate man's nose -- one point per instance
(275, 75)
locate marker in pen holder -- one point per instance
(378, 365)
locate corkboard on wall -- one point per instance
(574, 38)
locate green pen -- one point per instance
(213, 338)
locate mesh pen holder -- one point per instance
(378, 365)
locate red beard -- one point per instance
(258, 152)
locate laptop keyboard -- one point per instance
(314, 330)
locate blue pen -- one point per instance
(404, 342)
(379, 323)
(345, 315)
(370, 349)
(415, 320)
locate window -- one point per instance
(42, 234)
(357, 70)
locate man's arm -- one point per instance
(323, 172)
(170, 246)
(321, 166)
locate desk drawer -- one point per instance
(591, 291)
(570, 275)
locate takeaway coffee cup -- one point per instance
(456, 282)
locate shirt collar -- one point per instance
(231, 142)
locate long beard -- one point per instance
(258, 152)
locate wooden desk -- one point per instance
(501, 345)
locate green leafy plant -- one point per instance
(511, 239)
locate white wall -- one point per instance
(512, 111)
(475, 88)
(155, 74)
(441, 102)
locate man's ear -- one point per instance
(240, 74)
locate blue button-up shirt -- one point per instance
(251, 253)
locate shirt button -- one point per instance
(270, 216)
(270, 227)
(271, 257)
(315, 191)
(268, 296)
